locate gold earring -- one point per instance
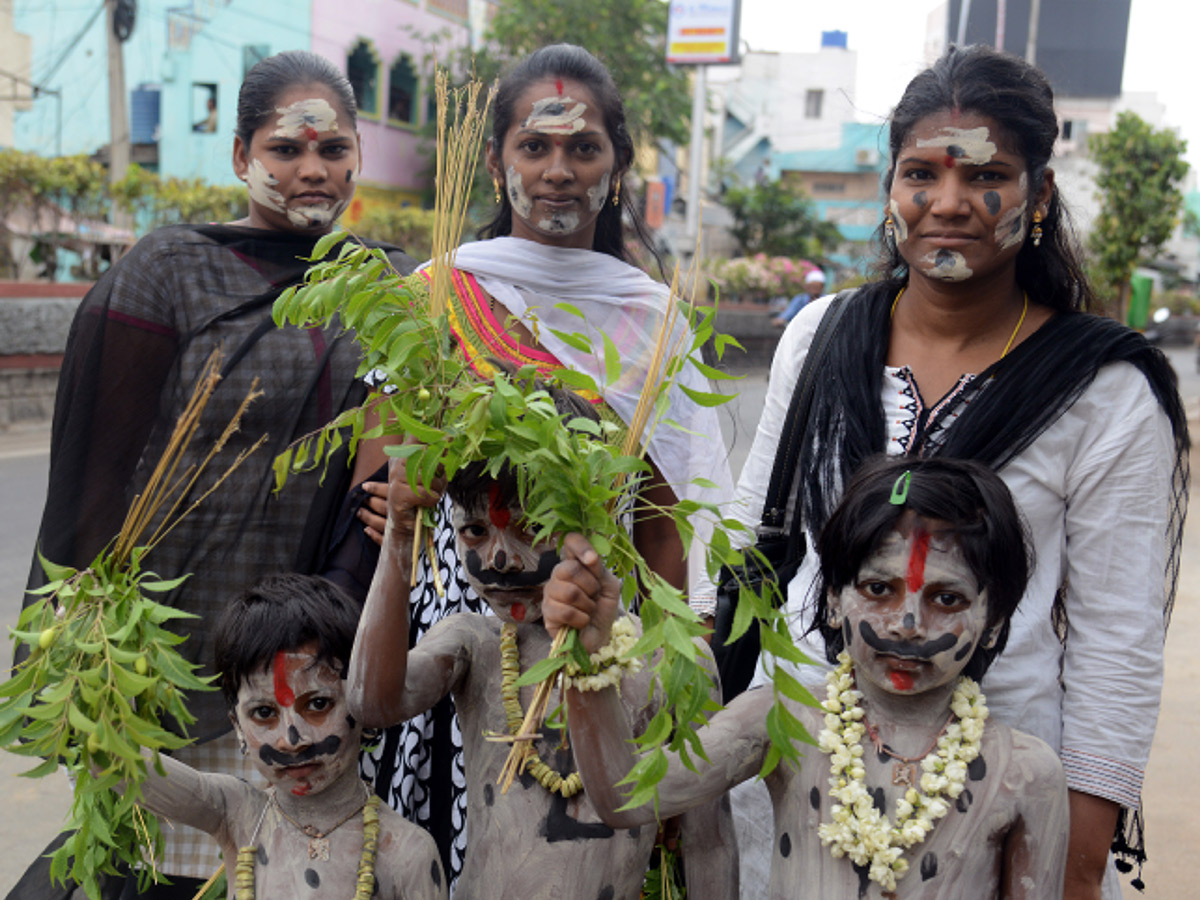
(1036, 233)
(889, 227)
(617, 193)
(496, 187)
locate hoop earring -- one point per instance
(1036, 232)
(616, 201)
(496, 188)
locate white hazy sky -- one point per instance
(889, 36)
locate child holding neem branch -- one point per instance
(914, 792)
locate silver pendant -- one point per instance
(904, 774)
(318, 844)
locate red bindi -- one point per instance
(310, 132)
(949, 161)
(499, 514)
(916, 560)
(284, 695)
(901, 681)
(558, 84)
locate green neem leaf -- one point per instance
(54, 571)
(327, 243)
(573, 339)
(612, 360)
(569, 308)
(540, 671)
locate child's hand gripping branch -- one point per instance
(914, 792)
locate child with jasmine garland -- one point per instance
(282, 648)
(922, 566)
(542, 839)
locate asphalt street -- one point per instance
(33, 811)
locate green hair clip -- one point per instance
(900, 489)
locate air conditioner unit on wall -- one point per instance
(865, 156)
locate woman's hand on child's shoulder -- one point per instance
(582, 594)
(403, 502)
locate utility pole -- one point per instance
(696, 164)
(118, 116)
(1035, 12)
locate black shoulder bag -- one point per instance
(782, 548)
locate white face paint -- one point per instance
(945, 265)
(556, 115)
(971, 146)
(598, 193)
(563, 223)
(1010, 228)
(312, 215)
(294, 721)
(915, 615)
(898, 223)
(261, 185)
(500, 563)
(306, 119)
(520, 201)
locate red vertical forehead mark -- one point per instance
(497, 511)
(284, 695)
(310, 132)
(558, 84)
(916, 559)
(949, 161)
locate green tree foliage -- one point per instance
(628, 36)
(409, 227)
(1140, 173)
(774, 219)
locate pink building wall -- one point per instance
(391, 159)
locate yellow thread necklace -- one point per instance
(1012, 337)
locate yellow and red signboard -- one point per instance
(703, 32)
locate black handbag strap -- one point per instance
(792, 437)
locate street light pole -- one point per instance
(118, 117)
(696, 164)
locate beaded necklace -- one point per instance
(510, 694)
(244, 872)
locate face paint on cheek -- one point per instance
(261, 185)
(284, 695)
(898, 222)
(916, 560)
(598, 194)
(991, 199)
(349, 176)
(1010, 227)
(520, 201)
(920, 198)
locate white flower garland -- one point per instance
(858, 829)
(610, 663)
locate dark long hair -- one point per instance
(970, 504)
(568, 61)
(272, 76)
(1018, 97)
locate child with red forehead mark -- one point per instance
(542, 838)
(915, 791)
(312, 827)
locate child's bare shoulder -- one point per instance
(407, 863)
(1026, 760)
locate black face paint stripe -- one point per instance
(546, 563)
(293, 735)
(906, 649)
(991, 199)
(920, 198)
(956, 151)
(964, 651)
(944, 259)
(273, 757)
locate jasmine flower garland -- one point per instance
(610, 662)
(858, 829)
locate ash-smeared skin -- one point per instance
(598, 193)
(945, 265)
(556, 115)
(500, 564)
(1010, 227)
(261, 185)
(898, 223)
(1013, 829)
(306, 119)
(969, 146)
(561, 223)
(520, 201)
(316, 215)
